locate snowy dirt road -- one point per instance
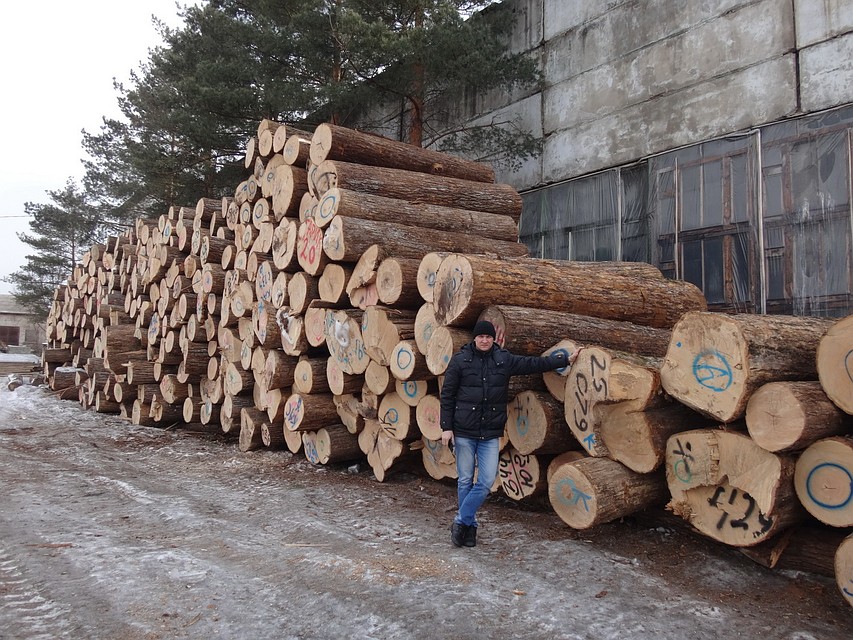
(113, 531)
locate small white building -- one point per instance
(19, 333)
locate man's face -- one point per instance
(484, 342)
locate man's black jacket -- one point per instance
(474, 393)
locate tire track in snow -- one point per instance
(24, 610)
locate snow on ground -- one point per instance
(113, 530)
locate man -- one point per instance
(473, 416)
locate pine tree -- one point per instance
(61, 232)
(189, 110)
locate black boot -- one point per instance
(470, 537)
(458, 534)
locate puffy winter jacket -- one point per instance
(474, 392)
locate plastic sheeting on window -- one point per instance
(775, 238)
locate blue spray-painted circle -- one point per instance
(848, 364)
(826, 505)
(712, 371)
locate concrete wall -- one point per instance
(626, 79)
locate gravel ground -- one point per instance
(109, 530)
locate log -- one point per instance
(729, 488)
(401, 184)
(301, 290)
(310, 412)
(378, 378)
(310, 248)
(267, 179)
(535, 424)
(716, 361)
(310, 376)
(346, 239)
(427, 270)
(530, 331)
(382, 328)
(345, 342)
(278, 292)
(332, 284)
(279, 370)
(293, 440)
(309, 446)
(638, 439)
(823, 480)
(592, 491)
(413, 391)
(296, 150)
(396, 283)
(332, 142)
(807, 547)
(251, 437)
(382, 450)
(284, 246)
(397, 418)
(521, 476)
(352, 204)
(439, 462)
(315, 323)
(428, 416)
(340, 382)
(336, 444)
(272, 436)
(347, 408)
(467, 284)
(445, 341)
(364, 271)
(407, 362)
(844, 569)
(293, 338)
(602, 376)
(835, 363)
(425, 324)
(790, 416)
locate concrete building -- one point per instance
(712, 139)
(18, 332)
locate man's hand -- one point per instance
(573, 358)
(446, 437)
(500, 337)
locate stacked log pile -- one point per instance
(317, 308)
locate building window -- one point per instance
(10, 335)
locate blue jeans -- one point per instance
(483, 453)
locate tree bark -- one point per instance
(346, 239)
(600, 376)
(331, 142)
(448, 219)
(789, 416)
(729, 488)
(530, 331)
(592, 491)
(396, 283)
(401, 184)
(467, 284)
(716, 361)
(535, 424)
(637, 438)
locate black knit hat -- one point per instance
(483, 328)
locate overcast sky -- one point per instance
(59, 58)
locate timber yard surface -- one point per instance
(109, 530)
